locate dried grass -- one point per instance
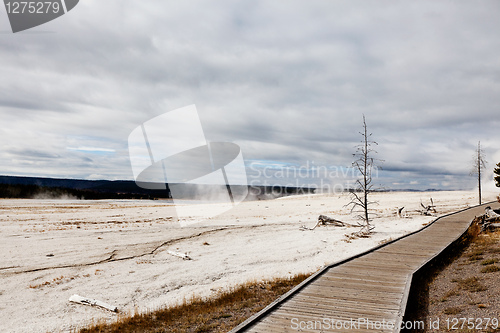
(219, 314)
(454, 310)
(472, 284)
(490, 269)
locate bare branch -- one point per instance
(363, 164)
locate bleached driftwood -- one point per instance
(401, 213)
(428, 209)
(92, 302)
(180, 255)
(304, 228)
(490, 213)
(487, 220)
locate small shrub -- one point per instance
(489, 261)
(452, 310)
(476, 255)
(54, 281)
(485, 241)
(227, 315)
(453, 292)
(472, 284)
(206, 328)
(490, 269)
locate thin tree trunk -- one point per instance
(479, 170)
(479, 165)
(366, 177)
(479, 180)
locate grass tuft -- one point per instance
(454, 310)
(472, 284)
(476, 255)
(54, 281)
(490, 269)
(489, 261)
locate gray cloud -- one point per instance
(288, 82)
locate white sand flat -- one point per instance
(118, 251)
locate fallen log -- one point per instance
(324, 220)
(489, 218)
(92, 302)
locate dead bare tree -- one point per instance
(478, 166)
(364, 164)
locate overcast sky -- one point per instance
(288, 81)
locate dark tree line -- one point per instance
(19, 191)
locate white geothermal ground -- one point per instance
(120, 251)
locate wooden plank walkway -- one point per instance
(365, 293)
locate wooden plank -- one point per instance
(287, 316)
(332, 288)
(351, 294)
(366, 308)
(383, 254)
(367, 267)
(369, 285)
(335, 300)
(285, 320)
(337, 313)
(387, 263)
(267, 326)
(289, 319)
(401, 252)
(360, 297)
(373, 274)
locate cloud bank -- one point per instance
(288, 82)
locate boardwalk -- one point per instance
(366, 293)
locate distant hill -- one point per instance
(35, 187)
(53, 188)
